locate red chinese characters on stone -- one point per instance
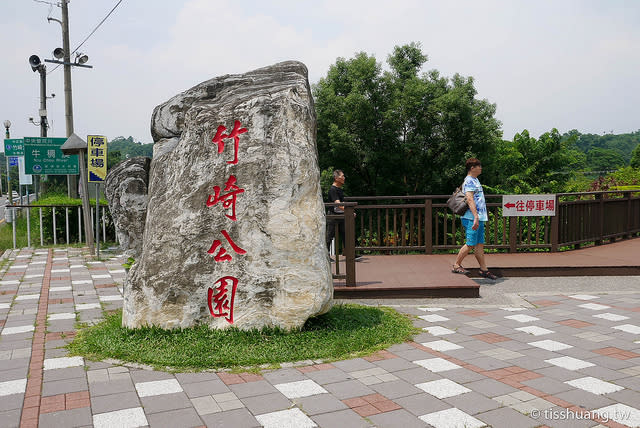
(222, 255)
(229, 199)
(220, 298)
(219, 137)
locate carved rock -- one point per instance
(283, 276)
(126, 190)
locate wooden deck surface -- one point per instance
(403, 276)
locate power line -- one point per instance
(90, 34)
(97, 26)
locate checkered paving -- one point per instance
(569, 360)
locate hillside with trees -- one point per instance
(401, 131)
(121, 148)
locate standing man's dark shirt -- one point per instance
(336, 194)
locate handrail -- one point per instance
(349, 245)
(423, 223)
(52, 206)
(496, 195)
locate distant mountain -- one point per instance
(622, 144)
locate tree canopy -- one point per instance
(121, 148)
(398, 131)
(529, 165)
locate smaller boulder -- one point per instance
(126, 188)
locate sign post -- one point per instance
(13, 147)
(97, 172)
(74, 145)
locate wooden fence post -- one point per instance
(555, 227)
(350, 244)
(513, 234)
(428, 225)
(600, 200)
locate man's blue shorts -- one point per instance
(474, 237)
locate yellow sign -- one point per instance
(97, 158)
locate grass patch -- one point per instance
(347, 331)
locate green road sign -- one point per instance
(43, 156)
(13, 147)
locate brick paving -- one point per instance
(564, 360)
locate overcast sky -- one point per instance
(545, 63)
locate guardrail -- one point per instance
(423, 223)
(61, 227)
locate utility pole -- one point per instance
(72, 188)
(7, 135)
(44, 124)
(43, 100)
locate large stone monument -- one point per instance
(126, 190)
(234, 229)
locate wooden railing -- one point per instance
(349, 246)
(423, 223)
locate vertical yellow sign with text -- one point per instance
(97, 158)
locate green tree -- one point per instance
(623, 144)
(600, 159)
(113, 158)
(399, 132)
(529, 165)
(127, 148)
(635, 157)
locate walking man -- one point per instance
(473, 220)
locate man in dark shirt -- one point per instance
(336, 195)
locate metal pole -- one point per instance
(66, 218)
(72, 190)
(86, 210)
(80, 225)
(7, 135)
(13, 214)
(41, 232)
(55, 241)
(43, 100)
(28, 227)
(9, 196)
(97, 221)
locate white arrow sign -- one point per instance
(528, 205)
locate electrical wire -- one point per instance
(90, 34)
(97, 26)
